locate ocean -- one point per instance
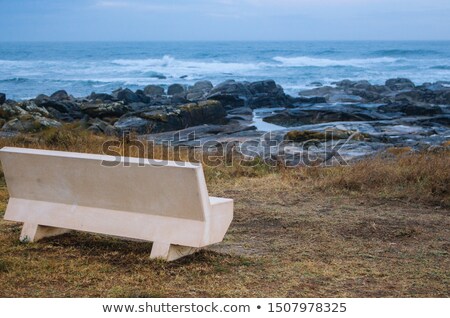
(29, 69)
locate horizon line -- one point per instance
(203, 41)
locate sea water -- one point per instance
(29, 69)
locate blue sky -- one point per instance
(157, 20)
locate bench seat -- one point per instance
(53, 192)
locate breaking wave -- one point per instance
(305, 61)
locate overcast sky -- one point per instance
(155, 20)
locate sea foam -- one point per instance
(305, 61)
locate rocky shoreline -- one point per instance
(363, 118)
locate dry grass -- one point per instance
(379, 228)
(423, 177)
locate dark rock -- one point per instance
(203, 112)
(29, 123)
(444, 98)
(231, 87)
(142, 97)
(133, 123)
(341, 95)
(266, 100)
(61, 110)
(157, 75)
(60, 95)
(9, 111)
(398, 84)
(99, 126)
(101, 97)
(201, 134)
(344, 83)
(175, 89)
(296, 117)
(310, 100)
(195, 96)
(350, 91)
(30, 107)
(328, 134)
(443, 120)
(229, 101)
(365, 95)
(231, 94)
(155, 120)
(154, 90)
(59, 106)
(264, 87)
(138, 106)
(437, 86)
(413, 96)
(424, 95)
(287, 119)
(102, 110)
(199, 91)
(267, 94)
(364, 85)
(116, 91)
(158, 101)
(345, 98)
(62, 116)
(324, 92)
(234, 94)
(304, 135)
(365, 90)
(241, 111)
(2, 98)
(41, 99)
(242, 115)
(411, 109)
(205, 86)
(178, 99)
(127, 96)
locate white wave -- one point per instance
(175, 67)
(304, 61)
(166, 61)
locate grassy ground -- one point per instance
(380, 228)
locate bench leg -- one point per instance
(34, 232)
(169, 252)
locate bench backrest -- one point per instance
(168, 189)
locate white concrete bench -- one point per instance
(53, 192)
